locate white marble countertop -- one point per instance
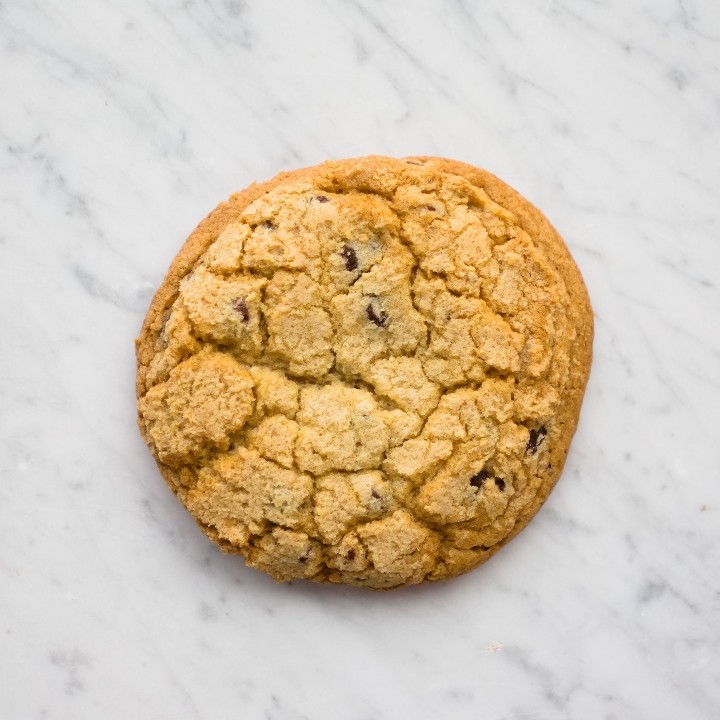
(122, 124)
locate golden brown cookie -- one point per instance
(366, 372)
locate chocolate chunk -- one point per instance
(240, 306)
(478, 480)
(432, 208)
(536, 439)
(500, 483)
(350, 554)
(379, 317)
(322, 199)
(375, 494)
(350, 257)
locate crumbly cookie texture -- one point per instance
(367, 372)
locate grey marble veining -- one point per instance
(122, 124)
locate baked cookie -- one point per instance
(366, 372)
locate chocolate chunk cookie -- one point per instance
(366, 372)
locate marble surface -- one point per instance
(122, 124)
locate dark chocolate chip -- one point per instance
(240, 306)
(269, 225)
(430, 207)
(350, 257)
(350, 554)
(536, 438)
(322, 199)
(500, 484)
(379, 317)
(478, 480)
(375, 494)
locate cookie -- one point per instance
(366, 372)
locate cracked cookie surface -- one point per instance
(366, 372)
